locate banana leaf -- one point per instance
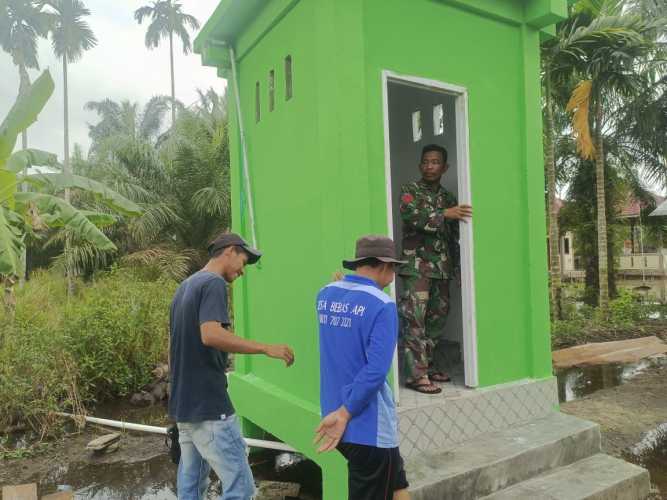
(24, 113)
(100, 219)
(11, 245)
(57, 182)
(7, 188)
(26, 158)
(62, 214)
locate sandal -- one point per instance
(423, 386)
(440, 377)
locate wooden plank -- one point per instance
(621, 351)
(20, 492)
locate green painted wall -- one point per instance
(496, 67)
(317, 168)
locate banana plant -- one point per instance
(41, 208)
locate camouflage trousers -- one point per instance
(423, 307)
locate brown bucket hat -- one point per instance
(233, 239)
(374, 247)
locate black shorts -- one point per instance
(373, 473)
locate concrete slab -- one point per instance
(497, 460)
(602, 353)
(599, 477)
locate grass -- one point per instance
(61, 354)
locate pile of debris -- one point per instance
(156, 391)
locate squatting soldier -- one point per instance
(430, 216)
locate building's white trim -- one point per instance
(390, 214)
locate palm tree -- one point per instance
(22, 22)
(560, 59)
(167, 19)
(122, 121)
(70, 36)
(608, 71)
(181, 184)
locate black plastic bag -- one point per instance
(172, 443)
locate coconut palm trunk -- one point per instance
(554, 235)
(68, 243)
(601, 210)
(173, 84)
(24, 84)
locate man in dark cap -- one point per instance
(358, 334)
(209, 433)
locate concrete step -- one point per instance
(599, 477)
(495, 461)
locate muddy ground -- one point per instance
(626, 413)
(69, 453)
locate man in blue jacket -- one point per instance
(358, 334)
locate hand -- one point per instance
(459, 212)
(331, 429)
(280, 351)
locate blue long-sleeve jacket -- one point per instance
(358, 333)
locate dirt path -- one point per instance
(625, 413)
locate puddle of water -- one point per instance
(155, 479)
(651, 453)
(575, 383)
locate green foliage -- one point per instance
(22, 160)
(101, 343)
(102, 194)
(167, 19)
(180, 179)
(71, 35)
(24, 213)
(24, 113)
(616, 44)
(22, 23)
(117, 332)
(628, 316)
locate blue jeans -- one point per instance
(216, 444)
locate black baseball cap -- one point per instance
(234, 240)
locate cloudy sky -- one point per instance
(119, 67)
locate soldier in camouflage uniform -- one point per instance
(430, 216)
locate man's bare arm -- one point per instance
(214, 335)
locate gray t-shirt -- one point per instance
(198, 380)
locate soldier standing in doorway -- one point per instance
(430, 216)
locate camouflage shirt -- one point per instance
(430, 242)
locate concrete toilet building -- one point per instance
(330, 103)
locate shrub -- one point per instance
(117, 332)
(101, 343)
(627, 309)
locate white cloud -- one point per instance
(119, 67)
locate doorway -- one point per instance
(418, 112)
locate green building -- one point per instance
(337, 97)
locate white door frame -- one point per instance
(464, 196)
